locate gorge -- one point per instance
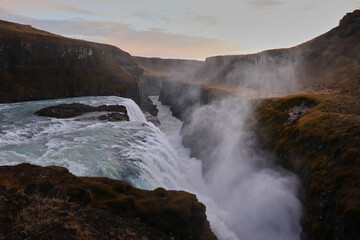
(268, 141)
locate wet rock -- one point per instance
(113, 117)
(152, 118)
(118, 112)
(297, 111)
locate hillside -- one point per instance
(35, 64)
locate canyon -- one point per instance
(303, 105)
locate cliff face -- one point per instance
(35, 64)
(73, 207)
(266, 71)
(157, 71)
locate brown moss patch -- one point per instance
(322, 147)
(176, 213)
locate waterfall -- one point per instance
(133, 110)
(246, 197)
(243, 201)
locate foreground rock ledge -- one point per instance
(50, 201)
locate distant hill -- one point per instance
(331, 60)
(35, 64)
(328, 62)
(157, 70)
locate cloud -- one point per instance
(76, 9)
(150, 17)
(206, 20)
(266, 4)
(47, 5)
(151, 43)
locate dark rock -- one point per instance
(113, 117)
(118, 112)
(152, 118)
(148, 106)
(350, 18)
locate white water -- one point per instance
(134, 151)
(147, 157)
(246, 198)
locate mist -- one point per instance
(271, 72)
(255, 199)
(248, 196)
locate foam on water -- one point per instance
(134, 151)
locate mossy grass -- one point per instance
(176, 213)
(323, 147)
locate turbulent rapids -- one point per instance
(134, 151)
(243, 201)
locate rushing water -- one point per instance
(147, 157)
(134, 151)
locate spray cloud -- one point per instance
(254, 198)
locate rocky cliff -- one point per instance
(158, 71)
(35, 64)
(44, 202)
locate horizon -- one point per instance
(183, 29)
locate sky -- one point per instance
(187, 29)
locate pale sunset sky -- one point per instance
(190, 29)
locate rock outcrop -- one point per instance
(93, 206)
(108, 112)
